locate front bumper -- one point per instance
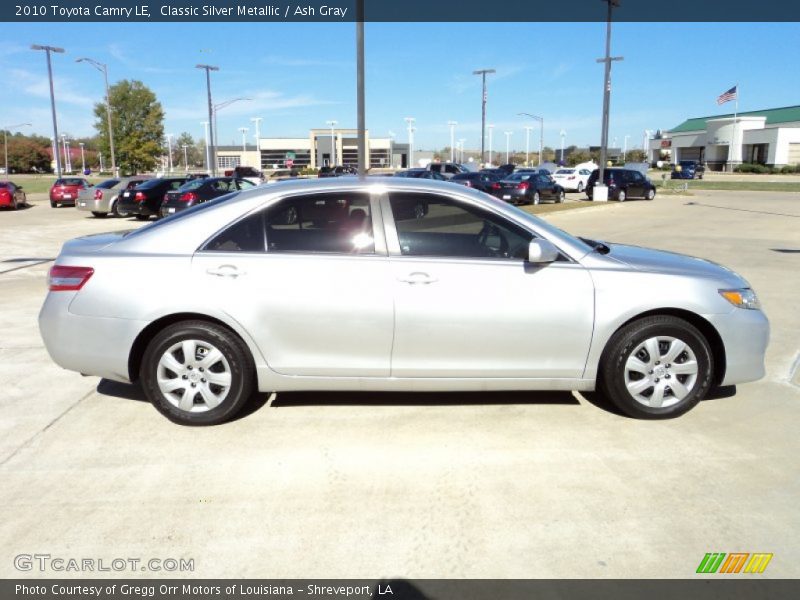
(745, 336)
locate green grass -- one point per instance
(41, 184)
(745, 186)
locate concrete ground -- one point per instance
(504, 485)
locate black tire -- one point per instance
(113, 210)
(580, 187)
(536, 198)
(651, 194)
(53, 204)
(621, 195)
(142, 217)
(613, 370)
(99, 215)
(239, 366)
(560, 197)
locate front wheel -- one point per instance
(197, 373)
(651, 194)
(53, 204)
(656, 368)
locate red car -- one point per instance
(11, 195)
(65, 190)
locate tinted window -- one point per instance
(246, 235)
(107, 184)
(519, 177)
(336, 222)
(192, 185)
(69, 181)
(450, 228)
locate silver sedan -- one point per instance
(403, 285)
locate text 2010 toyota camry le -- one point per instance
(346, 284)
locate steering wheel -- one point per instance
(493, 230)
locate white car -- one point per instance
(572, 180)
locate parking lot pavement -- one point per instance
(434, 485)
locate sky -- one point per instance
(298, 76)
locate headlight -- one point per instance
(742, 298)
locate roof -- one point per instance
(787, 114)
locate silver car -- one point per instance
(101, 199)
(398, 284)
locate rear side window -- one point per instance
(107, 184)
(246, 235)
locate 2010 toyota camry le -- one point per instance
(397, 285)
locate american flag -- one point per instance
(728, 96)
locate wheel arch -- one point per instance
(708, 330)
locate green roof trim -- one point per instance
(787, 114)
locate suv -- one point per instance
(622, 184)
(688, 169)
(447, 170)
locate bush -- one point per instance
(753, 168)
(790, 169)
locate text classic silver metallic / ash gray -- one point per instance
(402, 285)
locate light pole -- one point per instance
(491, 129)
(257, 135)
(625, 147)
(645, 144)
(185, 157)
(83, 158)
(528, 129)
(392, 135)
(508, 145)
(411, 129)
(563, 135)
(363, 159)
(169, 154)
(607, 60)
(244, 131)
(461, 144)
(48, 50)
(483, 73)
(210, 140)
(104, 70)
(332, 124)
(541, 133)
(452, 125)
(208, 150)
(67, 166)
(6, 129)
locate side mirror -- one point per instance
(541, 251)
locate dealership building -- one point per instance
(768, 137)
(322, 147)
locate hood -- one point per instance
(660, 261)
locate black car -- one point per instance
(622, 184)
(199, 190)
(145, 199)
(447, 170)
(688, 169)
(421, 174)
(528, 188)
(337, 171)
(480, 181)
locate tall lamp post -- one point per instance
(83, 158)
(563, 135)
(210, 147)
(104, 70)
(508, 145)
(65, 147)
(541, 133)
(48, 50)
(607, 60)
(332, 124)
(483, 73)
(6, 129)
(411, 129)
(243, 131)
(452, 125)
(461, 145)
(625, 147)
(169, 150)
(185, 157)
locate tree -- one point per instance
(577, 157)
(26, 155)
(194, 153)
(635, 155)
(137, 119)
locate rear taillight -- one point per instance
(98, 194)
(139, 197)
(524, 185)
(495, 186)
(188, 197)
(68, 279)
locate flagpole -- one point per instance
(735, 115)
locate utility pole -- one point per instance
(210, 145)
(83, 158)
(411, 129)
(625, 147)
(508, 145)
(169, 149)
(452, 125)
(563, 135)
(48, 50)
(360, 95)
(257, 122)
(104, 70)
(244, 131)
(483, 73)
(332, 124)
(541, 133)
(185, 157)
(461, 145)
(606, 92)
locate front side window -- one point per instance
(430, 225)
(338, 223)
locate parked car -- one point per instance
(236, 294)
(688, 169)
(572, 180)
(337, 171)
(622, 184)
(251, 174)
(145, 199)
(102, 199)
(197, 191)
(528, 188)
(447, 170)
(478, 180)
(65, 191)
(11, 195)
(420, 173)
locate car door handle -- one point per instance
(225, 271)
(418, 277)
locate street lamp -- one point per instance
(483, 73)
(452, 125)
(563, 135)
(332, 124)
(67, 167)
(491, 129)
(48, 50)
(607, 60)
(541, 133)
(461, 145)
(210, 141)
(244, 131)
(6, 129)
(411, 129)
(83, 158)
(508, 145)
(185, 157)
(104, 70)
(625, 147)
(528, 129)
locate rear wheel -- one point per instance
(651, 194)
(53, 204)
(656, 368)
(536, 197)
(560, 197)
(197, 373)
(580, 187)
(621, 196)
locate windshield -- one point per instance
(565, 171)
